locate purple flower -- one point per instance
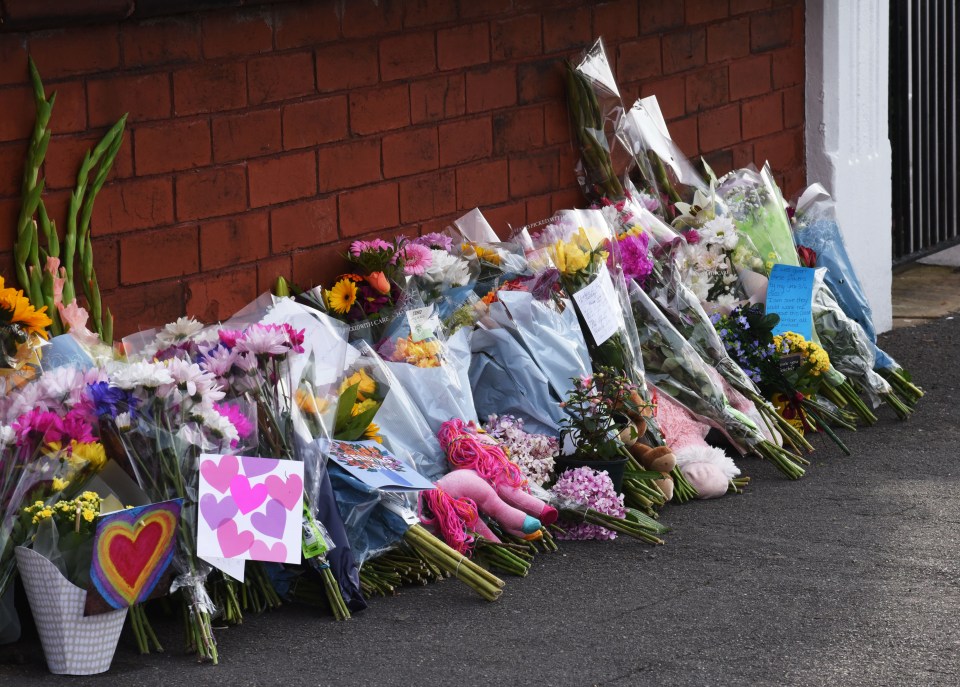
(110, 400)
(590, 489)
(691, 235)
(635, 256)
(435, 240)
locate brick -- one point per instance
(788, 67)
(719, 128)
(783, 150)
(13, 57)
(280, 77)
(379, 110)
(319, 265)
(684, 50)
(407, 55)
(470, 9)
(518, 130)
(211, 192)
(277, 180)
(162, 254)
(160, 41)
(234, 241)
(793, 107)
(565, 29)
(133, 204)
(569, 159)
(465, 140)
(707, 88)
(210, 87)
(154, 154)
(684, 134)
(744, 6)
(12, 160)
(313, 122)
(18, 109)
(761, 116)
(464, 45)
(66, 52)
(140, 307)
(302, 225)
(9, 212)
(671, 95)
(351, 164)
(215, 297)
(750, 77)
(443, 97)
(491, 89)
(556, 123)
(542, 80)
(538, 208)
(481, 184)
(410, 152)
(704, 11)
(428, 196)
(657, 16)
(143, 96)
(106, 262)
(793, 181)
(269, 270)
(65, 154)
(720, 161)
(236, 32)
(417, 13)
(70, 110)
(369, 209)
(347, 65)
(302, 25)
(516, 37)
(769, 30)
(616, 20)
(369, 19)
(534, 173)
(728, 40)
(246, 135)
(742, 155)
(639, 59)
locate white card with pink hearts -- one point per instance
(250, 508)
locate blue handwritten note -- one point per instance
(790, 295)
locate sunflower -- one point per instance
(342, 296)
(366, 385)
(372, 433)
(19, 310)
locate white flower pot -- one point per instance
(72, 644)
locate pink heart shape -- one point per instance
(261, 552)
(287, 492)
(254, 467)
(216, 512)
(232, 542)
(273, 522)
(248, 498)
(219, 475)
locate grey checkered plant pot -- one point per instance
(72, 644)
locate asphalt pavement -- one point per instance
(847, 577)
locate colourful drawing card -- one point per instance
(372, 464)
(132, 551)
(250, 508)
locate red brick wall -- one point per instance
(262, 140)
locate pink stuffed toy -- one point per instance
(484, 480)
(707, 468)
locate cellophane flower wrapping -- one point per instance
(815, 228)
(582, 488)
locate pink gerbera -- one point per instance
(416, 258)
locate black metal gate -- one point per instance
(924, 123)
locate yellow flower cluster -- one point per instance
(814, 357)
(419, 353)
(578, 253)
(488, 255)
(80, 455)
(85, 507)
(366, 385)
(309, 403)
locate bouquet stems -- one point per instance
(510, 558)
(790, 434)
(910, 393)
(630, 528)
(334, 597)
(738, 484)
(142, 630)
(824, 427)
(783, 460)
(845, 395)
(485, 583)
(683, 491)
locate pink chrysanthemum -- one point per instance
(416, 258)
(237, 418)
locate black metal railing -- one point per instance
(924, 125)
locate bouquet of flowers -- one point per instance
(820, 244)
(533, 453)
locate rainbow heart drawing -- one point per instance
(131, 551)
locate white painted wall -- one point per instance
(847, 144)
